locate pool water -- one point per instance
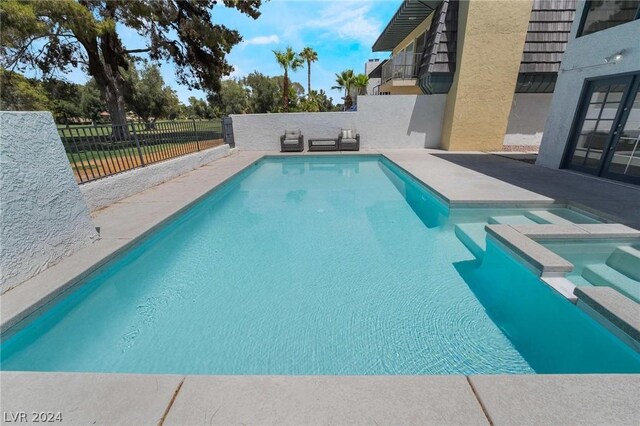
(314, 265)
(608, 263)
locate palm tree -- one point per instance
(361, 81)
(288, 60)
(309, 55)
(344, 81)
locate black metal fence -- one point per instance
(103, 150)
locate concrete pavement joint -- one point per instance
(477, 396)
(173, 399)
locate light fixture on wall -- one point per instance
(616, 57)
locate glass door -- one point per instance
(601, 110)
(624, 159)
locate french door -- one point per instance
(606, 137)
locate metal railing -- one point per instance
(103, 150)
(401, 67)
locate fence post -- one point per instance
(135, 137)
(195, 130)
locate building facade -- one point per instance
(594, 121)
(497, 61)
(374, 76)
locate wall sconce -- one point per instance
(616, 57)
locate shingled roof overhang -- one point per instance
(408, 16)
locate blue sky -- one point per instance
(341, 31)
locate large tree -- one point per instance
(63, 99)
(19, 93)
(149, 97)
(231, 99)
(199, 108)
(309, 55)
(91, 101)
(64, 34)
(288, 60)
(264, 93)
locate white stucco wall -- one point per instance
(43, 216)
(261, 132)
(583, 59)
(103, 192)
(400, 121)
(528, 116)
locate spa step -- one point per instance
(627, 261)
(511, 220)
(604, 275)
(473, 236)
(544, 217)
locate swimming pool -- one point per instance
(314, 265)
(611, 263)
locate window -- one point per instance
(602, 14)
(606, 136)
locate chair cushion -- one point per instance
(346, 134)
(291, 134)
(349, 140)
(291, 141)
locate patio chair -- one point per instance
(292, 141)
(349, 140)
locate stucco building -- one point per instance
(497, 61)
(594, 120)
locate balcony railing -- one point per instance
(401, 67)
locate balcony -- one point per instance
(401, 67)
(400, 74)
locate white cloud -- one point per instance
(348, 20)
(261, 40)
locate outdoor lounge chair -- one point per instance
(349, 140)
(292, 140)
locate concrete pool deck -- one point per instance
(143, 399)
(133, 399)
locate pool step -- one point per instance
(545, 217)
(604, 275)
(627, 261)
(511, 220)
(473, 236)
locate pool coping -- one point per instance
(214, 174)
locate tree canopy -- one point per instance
(149, 97)
(309, 55)
(65, 34)
(21, 94)
(288, 60)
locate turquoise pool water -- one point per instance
(314, 265)
(609, 263)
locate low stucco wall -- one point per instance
(399, 121)
(262, 132)
(528, 116)
(584, 59)
(103, 192)
(43, 214)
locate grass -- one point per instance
(95, 151)
(120, 153)
(140, 128)
(92, 164)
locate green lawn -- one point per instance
(140, 128)
(153, 151)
